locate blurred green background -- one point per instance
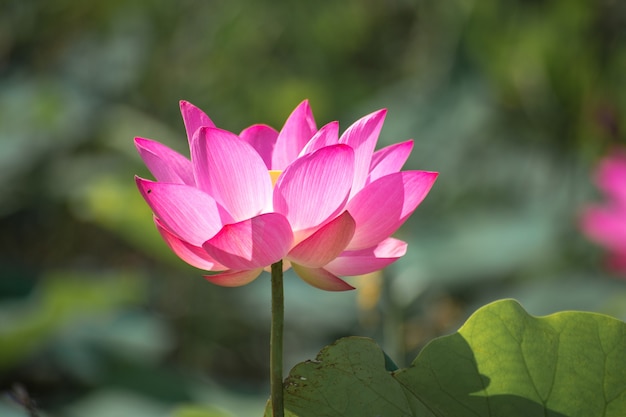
(513, 102)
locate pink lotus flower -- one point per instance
(606, 224)
(326, 205)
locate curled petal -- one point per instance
(315, 186)
(325, 244)
(232, 172)
(164, 163)
(253, 243)
(263, 139)
(389, 160)
(298, 129)
(382, 206)
(321, 278)
(193, 255)
(362, 137)
(326, 136)
(234, 278)
(189, 213)
(194, 118)
(368, 260)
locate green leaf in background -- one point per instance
(62, 300)
(198, 411)
(502, 362)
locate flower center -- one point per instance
(274, 174)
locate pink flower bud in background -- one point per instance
(605, 223)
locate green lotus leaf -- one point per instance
(503, 362)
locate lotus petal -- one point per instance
(322, 279)
(362, 136)
(381, 207)
(232, 172)
(325, 244)
(368, 260)
(314, 188)
(164, 163)
(389, 160)
(326, 136)
(234, 278)
(194, 118)
(253, 243)
(298, 129)
(189, 213)
(263, 139)
(193, 255)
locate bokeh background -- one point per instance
(512, 101)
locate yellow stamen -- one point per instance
(274, 174)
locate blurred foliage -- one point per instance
(60, 299)
(193, 411)
(512, 101)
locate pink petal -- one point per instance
(232, 172)
(164, 163)
(382, 206)
(193, 255)
(368, 260)
(322, 279)
(389, 160)
(234, 278)
(298, 129)
(263, 139)
(362, 137)
(315, 186)
(611, 176)
(194, 118)
(326, 136)
(253, 243)
(325, 244)
(187, 212)
(607, 226)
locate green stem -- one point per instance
(276, 340)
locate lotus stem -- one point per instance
(276, 340)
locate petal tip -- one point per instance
(378, 115)
(142, 144)
(142, 182)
